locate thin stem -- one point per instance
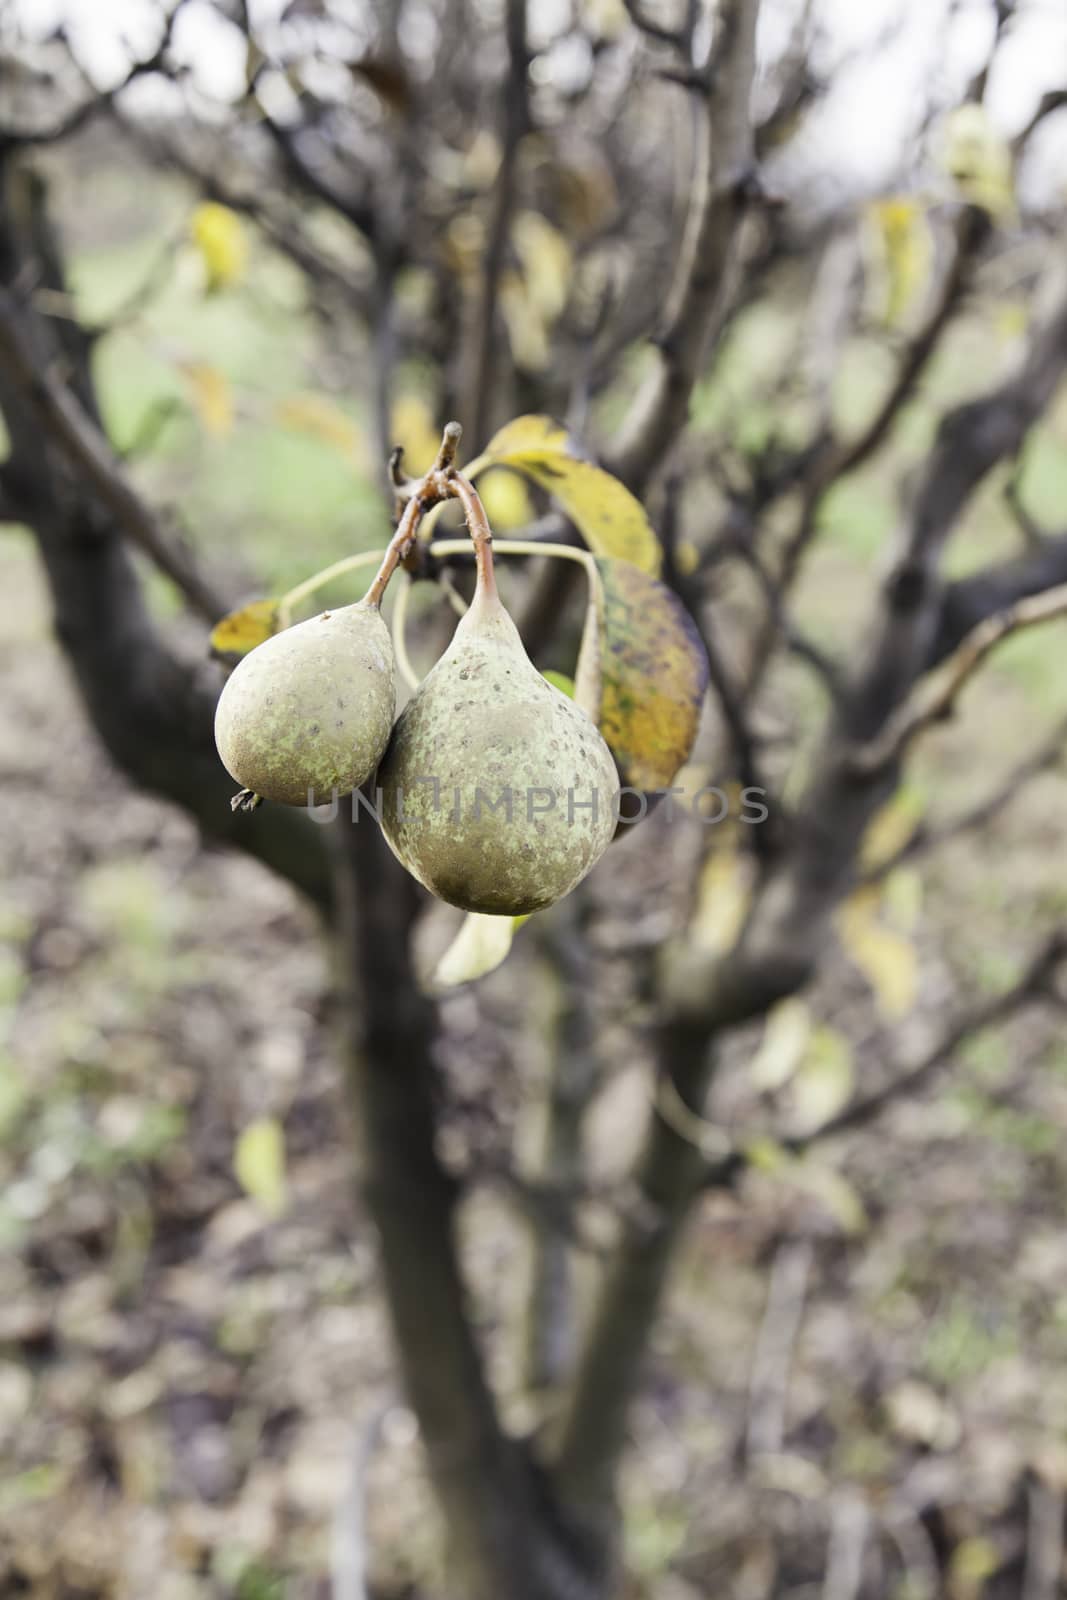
(349, 564)
(519, 547)
(479, 529)
(399, 546)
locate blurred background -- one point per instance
(295, 235)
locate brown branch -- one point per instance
(837, 459)
(968, 601)
(1033, 987)
(478, 382)
(927, 839)
(1051, 101)
(87, 451)
(722, 186)
(933, 698)
(651, 28)
(566, 1024)
(97, 100)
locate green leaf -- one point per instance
(560, 681)
(241, 631)
(654, 676)
(259, 1164)
(479, 947)
(609, 518)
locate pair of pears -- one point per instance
(497, 790)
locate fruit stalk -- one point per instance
(479, 530)
(399, 546)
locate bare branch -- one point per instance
(1044, 1542)
(721, 187)
(478, 385)
(651, 28)
(969, 601)
(89, 453)
(934, 698)
(1033, 987)
(1053, 100)
(925, 840)
(769, 1381)
(96, 101)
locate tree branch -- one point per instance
(1034, 986)
(933, 699)
(721, 186)
(88, 452)
(478, 384)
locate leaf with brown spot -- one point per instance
(241, 631)
(654, 676)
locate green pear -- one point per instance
(311, 709)
(497, 791)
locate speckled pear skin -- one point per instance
(483, 722)
(311, 708)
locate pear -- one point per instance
(497, 791)
(310, 709)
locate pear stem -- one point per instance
(399, 546)
(479, 530)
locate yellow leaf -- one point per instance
(887, 960)
(654, 675)
(479, 947)
(723, 897)
(547, 263)
(506, 500)
(973, 1562)
(979, 160)
(259, 1164)
(414, 429)
(766, 1155)
(904, 253)
(785, 1037)
(527, 330)
(219, 235)
(687, 558)
(241, 631)
(902, 897)
(890, 829)
(211, 395)
(609, 518)
(822, 1084)
(311, 413)
(482, 160)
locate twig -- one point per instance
(651, 28)
(88, 451)
(477, 405)
(1033, 986)
(1044, 1542)
(98, 99)
(348, 1560)
(933, 700)
(721, 188)
(850, 1523)
(769, 1382)
(925, 840)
